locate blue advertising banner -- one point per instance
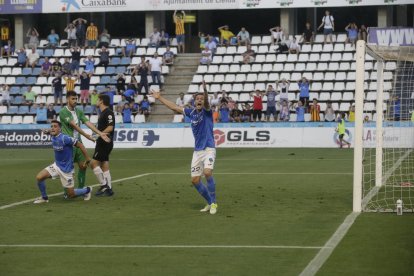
(391, 36)
(20, 6)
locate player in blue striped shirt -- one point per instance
(63, 165)
(204, 154)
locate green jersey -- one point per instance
(341, 127)
(66, 116)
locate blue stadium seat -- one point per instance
(48, 53)
(115, 61)
(36, 71)
(33, 110)
(20, 80)
(14, 90)
(120, 70)
(88, 109)
(23, 109)
(125, 60)
(100, 88)
(26, 71)
(31, 80)
(40, 52)
(110, 70)
(58, 108)
(40, 61)
(13, 110)
(18, 100)
(105, 80)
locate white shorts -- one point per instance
(65, 178)
(203, 159)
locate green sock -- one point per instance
(81, 178)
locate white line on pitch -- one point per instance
(264, 173)
(61, 193)
(186, 159)
(158, 246)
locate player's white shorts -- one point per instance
(203, 159)
(65, 178)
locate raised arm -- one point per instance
(175, 16)
(166, 102)
(206, 102)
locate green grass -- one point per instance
(267, 197)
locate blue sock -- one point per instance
(42, 187)
(202, 190)
(211, 187)
(82, 191)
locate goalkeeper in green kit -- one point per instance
(71, 119)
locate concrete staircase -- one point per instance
(181, 74)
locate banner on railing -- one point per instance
(20, 6)
(391, 36)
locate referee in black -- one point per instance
(100, 162)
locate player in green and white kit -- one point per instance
(71, 119)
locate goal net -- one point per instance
(386, 165)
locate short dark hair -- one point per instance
(105, 99)
(56, 122)
(71, 94)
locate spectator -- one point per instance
(32, 58)
(56, 67)
(130, 47)
(41, 114)
(33, 37)
(46, 68)
(168, 57)
(89, 64)
(315, 110)
(70, 82)
(257, 105)
(225, 35)
(235, 115)
(53, 39)
(111, 93)
(231, 103)
(304, 85)
(29, 96)
(284, 114)
(120, 83)
(21, 58)
(249, 55)
(134, 107)
(104, 39)
(94, 101)
(155, 38)
(80, 25)
(180, 30)
(164, 39)
(294, 47)
(283, 89)
(211, 44)
(308, 35)
(396, 105)
(329, 112)
(7, 49)
(351, 117)
(51, 113)
(284, 45)
(120, 105)
(352, 33)
(276, 33)
(247, 113)
(155, 68)
(224, 113)
(216, 114)
(40, 99)
(91, 35)
(57, 89)
(85, 80)
(271, 103)
(206, 56)
(300, 112)
(4, 36)
(363, 33)
(328, 26)
(142, 70)
(5, 95)
(145, 106)
(103, 57)
(366, 119)
(67, 67)
(223, 97)
(215, 100)
(203, 40)
(126, 114)
(71, 31)
(243, 37)
(74, 68)
(180, 100)
(129, 95)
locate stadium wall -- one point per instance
(245, 135)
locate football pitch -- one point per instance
(277, 210)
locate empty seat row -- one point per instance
(30, 119)
(319, 38)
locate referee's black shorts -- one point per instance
(102, 151)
